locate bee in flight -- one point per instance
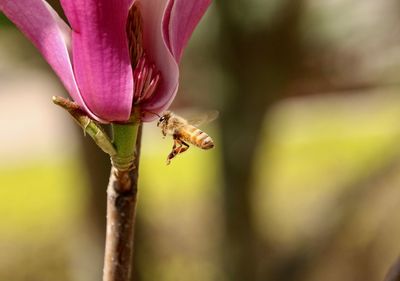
(185, 131)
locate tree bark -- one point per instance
(121, 211)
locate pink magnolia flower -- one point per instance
(117, 53)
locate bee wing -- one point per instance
(203, 118)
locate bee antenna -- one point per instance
(153, 113)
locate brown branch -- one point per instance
(121, 210)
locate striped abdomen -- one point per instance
(196, 136)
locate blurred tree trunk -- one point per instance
(88, 242)
(98, 168)
(258, 64)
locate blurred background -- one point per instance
(304, 182)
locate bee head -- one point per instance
(164, 118)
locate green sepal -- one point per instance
(124, 140)
(89, 126)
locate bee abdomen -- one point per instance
(201, 139)
(207, 143)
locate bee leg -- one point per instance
(174, 151)
(183, 147)
(179, 147)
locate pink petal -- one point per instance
(157, 50)
(175, 20)
(100, 54)
(182, 16)
(51, 36)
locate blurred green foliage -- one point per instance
(4, 21)
(39, 194)
(39, 203)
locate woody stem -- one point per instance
(121, 203)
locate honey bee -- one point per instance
(185, 131)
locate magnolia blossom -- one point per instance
(114, 54)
